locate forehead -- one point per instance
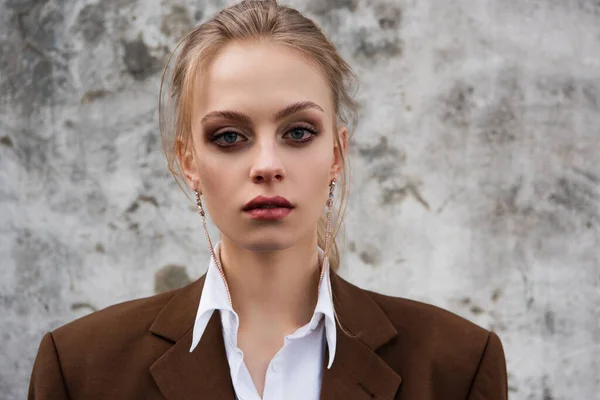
(260, 76)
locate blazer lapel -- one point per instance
(201, 374)
(358, 373)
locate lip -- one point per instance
(258, 201)
(282, 208)
(266, 214)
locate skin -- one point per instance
(271, 267)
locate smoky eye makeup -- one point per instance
(212, 130)
(224, 130)
(298, 130)
(310, 126)
(301, 127)
(227, 137)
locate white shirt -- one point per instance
(295, 372)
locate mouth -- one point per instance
(268, 208)
(265, 203)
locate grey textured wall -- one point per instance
(476, 177)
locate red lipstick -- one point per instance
(268, 208)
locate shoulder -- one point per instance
(431, 328)
(425, 319)
(411, 323)
(130, 318)
(436, 345)
(435, 336)
(112, 337)
(90, 353)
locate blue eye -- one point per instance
(230, 137)
(226, 139)
(298, 134)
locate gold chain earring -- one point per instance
(210, 245)
(329, 205)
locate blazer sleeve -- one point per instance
(490, 381)
(47, 381)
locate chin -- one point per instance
(266, 242)
(266, 245)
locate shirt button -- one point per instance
(275, 367)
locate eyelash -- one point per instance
(313, 132)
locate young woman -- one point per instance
(255, 122)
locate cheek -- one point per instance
(316, 175)
(220, 186)
(215, 174)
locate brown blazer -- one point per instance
(399, 349)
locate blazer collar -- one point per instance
(183, 375)
(357, 372)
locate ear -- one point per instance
(187, 163)
(340, 148)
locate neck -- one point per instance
(278, 288)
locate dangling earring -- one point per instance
(329, 207)
(329, 204)
(210, 245)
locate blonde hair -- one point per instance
(247, 20)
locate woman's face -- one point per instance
(263, 125)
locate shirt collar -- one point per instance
(325, 307)
(214, 297)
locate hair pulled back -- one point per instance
(253, 20)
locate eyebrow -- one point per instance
(279, 115)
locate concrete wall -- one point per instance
(476, 177)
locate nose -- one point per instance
(267, 164)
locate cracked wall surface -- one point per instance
(475, 167)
